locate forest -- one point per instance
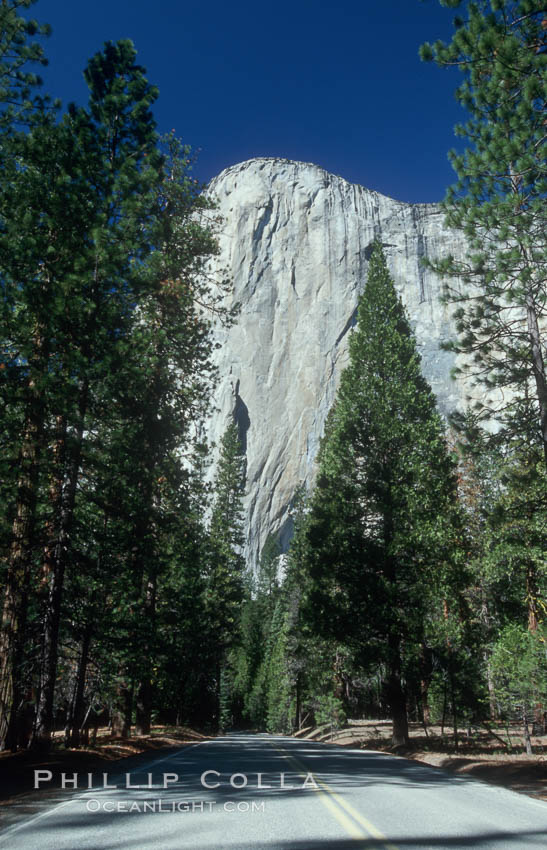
(414, 585)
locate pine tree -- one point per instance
(499, 203)
(20, 105)
(267, 579)
(135, 517)
(19, 101)
(279, 687)
(247, 658)
(165, 386)
(118, 144)
(380, 537)
(513, 566)
(105, 377)
(34, 280)
(225, 583)
(225, 591)
(73, 226)
(519, 676)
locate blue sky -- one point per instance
(339, 84)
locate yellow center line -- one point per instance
(336, 805)
(350, 826)
(358, 817)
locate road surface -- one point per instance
(243, 792)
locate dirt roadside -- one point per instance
(481, 754)
(525, 774)
(108, 754)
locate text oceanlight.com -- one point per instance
(160, 806)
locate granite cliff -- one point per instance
(295, 242)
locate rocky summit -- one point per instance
(295, 242)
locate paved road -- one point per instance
(294, 795)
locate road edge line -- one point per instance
(18, 827)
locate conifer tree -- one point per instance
(499, 203)
(19, 54)
(520, 677)
(257, 609)
(20, 106)
(225, 582)
(117, 141)
(267, 580)
(225, 590)
(165, 386)
(280, 693)
(74, 223)
(512, 570)
(379, 533)
(34, 277)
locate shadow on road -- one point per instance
(260, 760)
(481, 841)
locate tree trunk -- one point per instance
(532, 595)
(144, 691)
(536, 351)
(425, 681)
(297, 710)
(526, 730)
(77, 712)
(145, 558)
(454, 707)
(123, 708)
(493, 709)
(424, 703)
(55, 563)
(397, 702)
(538, 368)
(395, 695)
(532, 598)
(143, 706)
(14, 613)
(445, 699)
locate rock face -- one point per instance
(295, 242)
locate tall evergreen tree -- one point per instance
(226, 530)
(168, 385)
(225, 584)
(20, 105)
(248, 657)
(499, 203)
(268, 568)
(118, 141)
(34, 278)
(74, 222)
(380, 536)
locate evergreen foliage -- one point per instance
(105, 380)
(381, 532)
(519, 676)
(499, 203)
(225, 583)
(225, 580)
(19, 52)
